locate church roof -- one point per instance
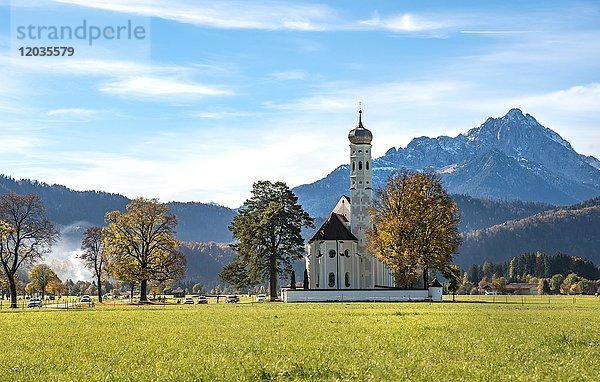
(333, 229)
(360, 135)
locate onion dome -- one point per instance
(360, 135)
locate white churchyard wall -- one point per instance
(301, 295)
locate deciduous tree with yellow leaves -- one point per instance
(415, 226)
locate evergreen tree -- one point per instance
(268, 236)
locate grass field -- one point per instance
(475, 339)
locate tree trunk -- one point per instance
(13, 290)
(143, 295)
(425, 277)
(273, 278)
(99, 290)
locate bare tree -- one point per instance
(26, 235)
(92, 254)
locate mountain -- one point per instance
(573, 230)
(197, 221)
(510, 157)
(205, 261)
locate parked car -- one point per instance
(261, 297)
(202, 300)
(85, 298)
(188, 300)
(34, 303)
(232, 299)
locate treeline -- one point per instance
(196, 221)
(573, 231)
(523, 267)
(204, 262)
(478, 213)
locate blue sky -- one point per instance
(224, 93)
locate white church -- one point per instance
(338, 264)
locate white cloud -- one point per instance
(409, 23)
(345, 96)
(160, 88)
(72, 113)
(578, 99)
(270, 15)
(289, 75)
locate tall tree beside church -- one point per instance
(140, 245)
(415, 226)
(92, 255)
(26, 235)
(268, 238)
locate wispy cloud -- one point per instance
(345, 96)
(217, 115)
(160, 88)
(271, 15)
(127, 78)
(578, 99)
(410, 23)
(289, 75)
(268, 15)
(71, 113)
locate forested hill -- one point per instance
(478, 213)
(573, 230)
(197, 221)
(205, 261)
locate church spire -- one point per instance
(360, 125)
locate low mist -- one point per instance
(64, 256)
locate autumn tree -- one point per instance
(140, 244)
(26, 235)
(499, 284)
(55, 287)
(40, 276)
(415, 226)
(452, 273)
(92, 255)
(267, 233)
(31, 289)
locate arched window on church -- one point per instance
(347, 253)
(332, 253)
(360, 165)
(353, 166)
(347, 279)
(331, 279)
(367, 163)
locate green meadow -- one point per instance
(476, 338)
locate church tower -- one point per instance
(361, 194)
